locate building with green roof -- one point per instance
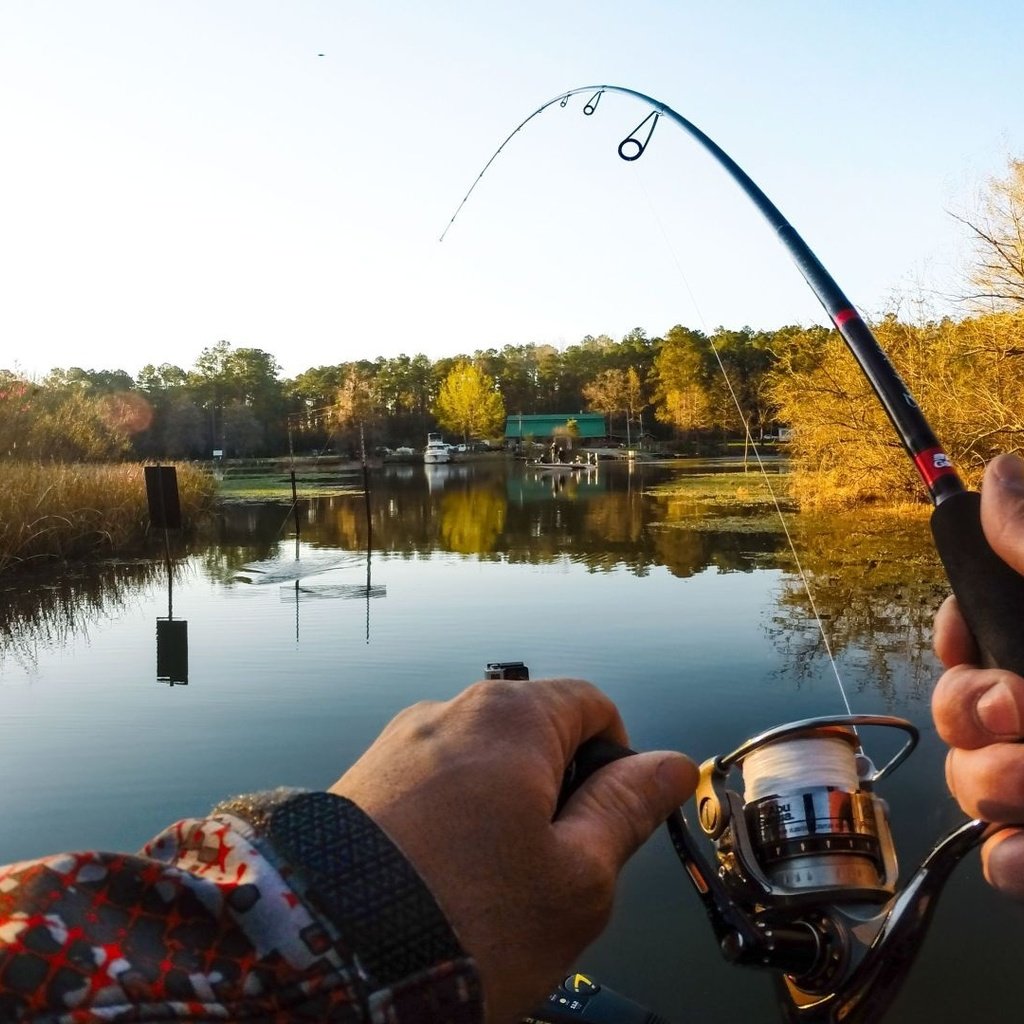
(589, 425)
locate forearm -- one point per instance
(277, 905)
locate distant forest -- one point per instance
(684, 386)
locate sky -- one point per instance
(277, 175)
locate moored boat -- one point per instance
(436, 451)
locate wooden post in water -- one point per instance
(295, 507)
(366, 488)
(369, 523)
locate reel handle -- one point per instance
(989, 592)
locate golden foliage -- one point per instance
(469, 404)
(966, 376)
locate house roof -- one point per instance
(590, 424)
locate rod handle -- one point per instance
(590, 756)
(989, 592)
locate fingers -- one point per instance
(988, 782)
(1002, 509)
(980, 712)
(619, 807)
(953, 641)
(973, 707)
(1002, 858)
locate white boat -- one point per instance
(436, 451)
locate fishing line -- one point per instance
(746, 428)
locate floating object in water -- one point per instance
(284, 570)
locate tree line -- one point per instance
(236, 400)
(684, 385)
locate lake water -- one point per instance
(696, 626)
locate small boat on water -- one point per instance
(559, 467)
(556, 462)
(436, 451)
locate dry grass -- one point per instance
(70, 511)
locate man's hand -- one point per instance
(467, 789)
(980, 712)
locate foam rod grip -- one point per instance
(989, 592)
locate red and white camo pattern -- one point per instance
(200, 926)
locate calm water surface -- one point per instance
(696, 627)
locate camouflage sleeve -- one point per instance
(278, 907)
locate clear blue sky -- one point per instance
(177, 173)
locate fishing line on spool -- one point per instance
(798, 764)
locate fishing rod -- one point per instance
(804, 880)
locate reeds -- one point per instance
(72, 511)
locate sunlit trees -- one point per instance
(617, 391)
(72, 425)
(681, 380)
(16, 412)
(469, 404)
(72, 415)
(997, 270)
(965, 376)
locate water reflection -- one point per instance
(604, 519)
(172, 651)
(875, 590)
(876, 585)
(50, 613)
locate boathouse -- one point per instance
(590, 426)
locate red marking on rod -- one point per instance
(843, 315)
(933, 463)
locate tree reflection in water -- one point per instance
(53, 610)
(876, 586)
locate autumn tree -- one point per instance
(997, 228)
(604, 393)
(681, 380)
(469, 403)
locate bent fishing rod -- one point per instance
(804, 876)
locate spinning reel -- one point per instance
(805, 875)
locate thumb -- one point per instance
(618, 808)
(1002, 509)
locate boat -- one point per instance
(556, 462)
(436, 451)
(558, 467)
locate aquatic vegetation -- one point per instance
(71, 511)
